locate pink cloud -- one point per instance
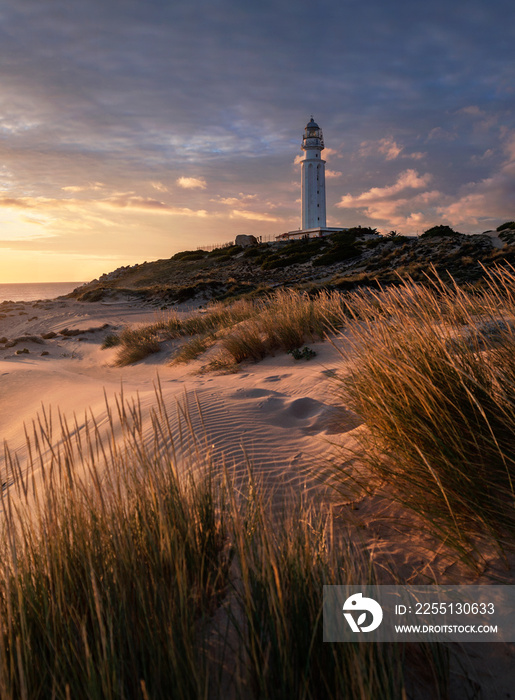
(192, 183)
(490, 198)
(252, 215)
(398, 205)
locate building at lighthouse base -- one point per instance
(308, 233)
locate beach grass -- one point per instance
(136, 344)
(432, 372)
(247, 329)
(128, 572)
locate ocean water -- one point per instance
(32, 291)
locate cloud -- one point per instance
(84, 208)
(253, 215)
(73, 188)
(489, 199)
(95, 187)
(440, 134)
(133, 201)
(332, 174)
(484, 156)
(409, 179)
(330, 153)
(234, 201)
(397, 204)
(147, 204)
(159, 186)
(192, 183)
(390, 148)
(472, 110)
(387, 146)
(240, 207)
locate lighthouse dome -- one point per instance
(313, 138)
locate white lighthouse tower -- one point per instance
(313, 178)
(313, 188)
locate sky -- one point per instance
(133, 129)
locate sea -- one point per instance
(33, 291)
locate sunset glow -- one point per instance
(131, 131)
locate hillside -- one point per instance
(356, 257)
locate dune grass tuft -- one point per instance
(193, 347)
(108, 567)
(125, 573)
(283, 322)
(247, 329)
(136, 344)
(433, 375)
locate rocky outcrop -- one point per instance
(245, 241)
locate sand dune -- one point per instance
(279, 415)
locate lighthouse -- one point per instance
(313, 188)
(313, 177)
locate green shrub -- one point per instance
(439, 230)
(227, 251)
(94, 294)
(252, 252)
(507, 235)
(508, 225)
(186, 293)
(295, 258)
(304, 353)
(337, 253)
(372, 243)
(305, 245)
(358, 231)
(187, 255)
(274, 263)
(398, 239)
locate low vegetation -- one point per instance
(355, 257)
(440, 230)
(129, 574)
(245, 330)
(433, 375)
(132, 565)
